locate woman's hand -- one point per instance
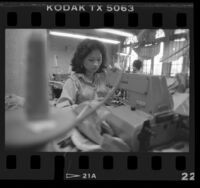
(124, 130)
(114, 144)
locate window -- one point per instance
(132, 58)
(157, 68)
(147, 66)
(132, 54)
(180, 31)
(176, 66)
(160, 34)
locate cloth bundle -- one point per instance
(101, 131)
(180, 83)
(13, 102)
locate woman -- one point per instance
(87, 83)
(88, 79)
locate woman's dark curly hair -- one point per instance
(83, 50)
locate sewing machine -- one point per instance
(150, 108)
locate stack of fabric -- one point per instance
(178, 84)
(13, 102)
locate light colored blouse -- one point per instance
(78, 88)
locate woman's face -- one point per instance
(93, 61)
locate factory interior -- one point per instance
(140, 90)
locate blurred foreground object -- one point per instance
(36, 105)
(36, 124)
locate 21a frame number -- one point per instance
(185, 176)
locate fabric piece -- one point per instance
(13, 102)
(181, 103)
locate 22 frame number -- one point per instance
(185, 176)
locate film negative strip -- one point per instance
(149, 130)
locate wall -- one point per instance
(64, 48)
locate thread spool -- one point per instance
(36, 106)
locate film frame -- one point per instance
(98, 166)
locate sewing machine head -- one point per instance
(146, 92)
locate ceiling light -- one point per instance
(180, 31)
(116, 32)
(79, 36)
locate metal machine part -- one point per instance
(161, 130)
